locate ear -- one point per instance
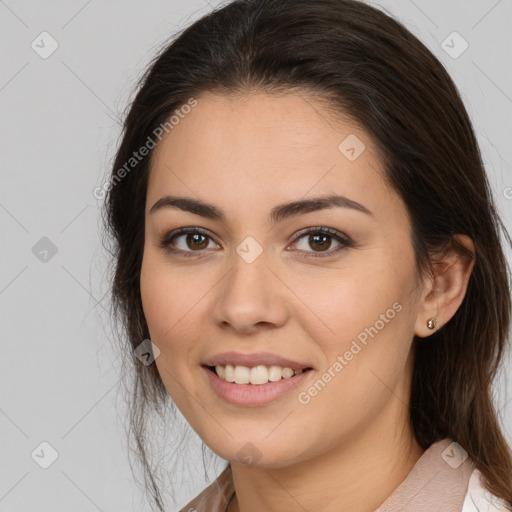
(445, 290)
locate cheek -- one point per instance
(166, 296)
(167, 310)
(173, 298)
(345, 302)
(365, 364)
(164, 304)
(366, 318)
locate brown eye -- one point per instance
(186, 241)
(317, 242)
(321, 242)
(196, 241)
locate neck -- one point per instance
(360, 473)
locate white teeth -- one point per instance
(287, 372)
(242, 374)
(255, 375)
(275, 373)
(259, 375)
(229, 373)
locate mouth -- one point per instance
(255, 386)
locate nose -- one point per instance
(250, 297)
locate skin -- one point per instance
(352, 444)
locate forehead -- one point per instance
(267, 147)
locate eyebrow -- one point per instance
(277, 214)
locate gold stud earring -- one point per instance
(431, 324)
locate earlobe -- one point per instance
(450, 281)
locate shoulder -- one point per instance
(479, 499)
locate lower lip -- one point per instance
(253, 395)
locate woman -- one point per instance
(305, 232)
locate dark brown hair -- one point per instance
(369, 67)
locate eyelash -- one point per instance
(345, 241)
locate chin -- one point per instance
(259, 454)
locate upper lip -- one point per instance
(261, 358)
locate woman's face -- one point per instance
(252, 288)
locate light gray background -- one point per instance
(58, 133)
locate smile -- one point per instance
(248, 394)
